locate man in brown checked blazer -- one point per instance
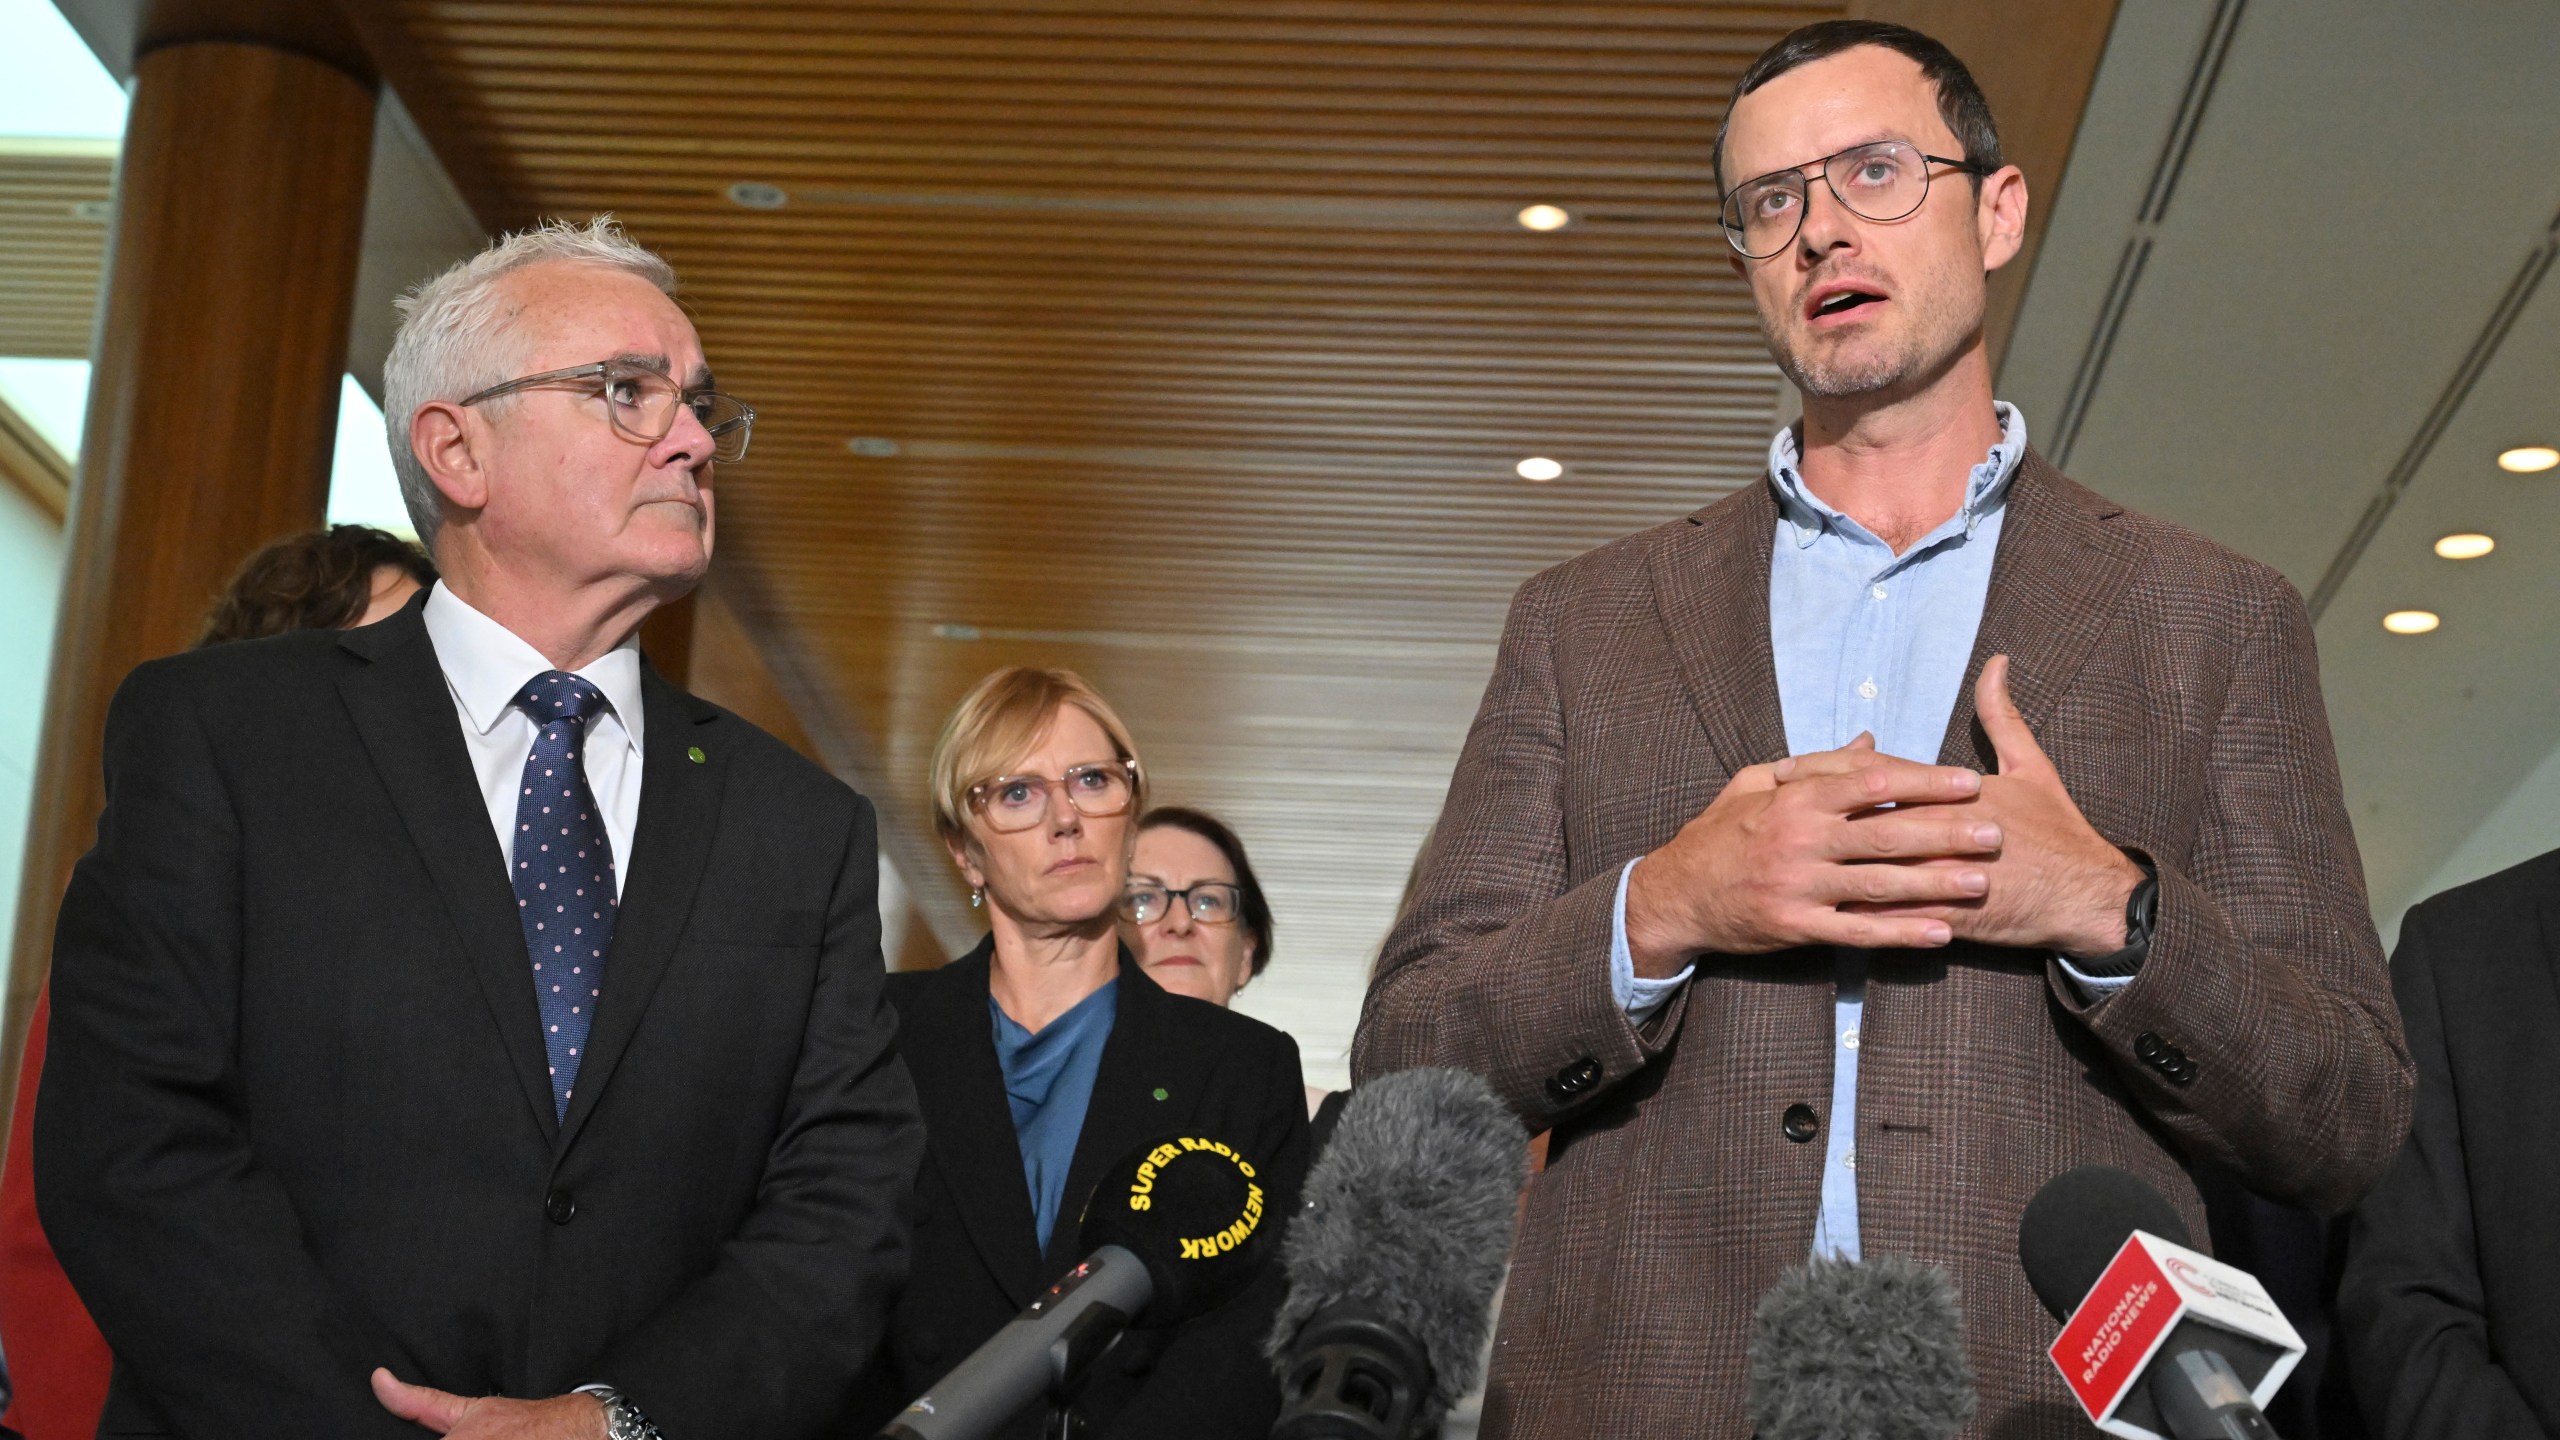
(1698, 903)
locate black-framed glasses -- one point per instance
(1880, 181)
(1211, 902)
(642, 404)
(1018, 802)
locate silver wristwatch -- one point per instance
(622, 1418)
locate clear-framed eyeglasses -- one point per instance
(1018, 802)
(1211, 902)
(642, 404)
(1882, 181)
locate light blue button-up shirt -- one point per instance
(1864, 640)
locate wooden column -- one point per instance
(213, 404)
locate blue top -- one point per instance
(1863, 639)
(1049, 1079)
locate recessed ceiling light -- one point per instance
(872, 447)
(1538, 468)
(2411, 622)
(756, 195)
(2526, 459)
(1544, 217)
(2465, 546)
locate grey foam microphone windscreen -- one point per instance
(1860, 1350)
(1410, 1211)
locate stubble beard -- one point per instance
(1881, 367)
(1874, 368)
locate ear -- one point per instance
(2001, 217)
(964, 853)
(440, 435)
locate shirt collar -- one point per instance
(1986, 488)
(486, 664)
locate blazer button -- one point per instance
(1573, 1080)
(560, 1206)
(2147, 1045)
(1800, 1123)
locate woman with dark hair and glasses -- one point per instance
(1046, 1053)
(1194, 914)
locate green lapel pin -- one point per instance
(1160, 1092)
(694, 753)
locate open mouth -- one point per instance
(1841, 302)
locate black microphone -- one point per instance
(1176, 1227)
(1860, 1350)
(2158, 1340)
(1395, 1257)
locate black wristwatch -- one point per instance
(2141, 914)
(622, 1419)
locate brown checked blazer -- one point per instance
(2173, 684)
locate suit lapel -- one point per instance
(405, 716)
(679, 811)
(947, 1039)
(1711, 588)
(1143, 1058)
(2055, 582)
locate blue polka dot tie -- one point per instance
(563, 871)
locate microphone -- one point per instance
(2159, 1341)
(1175, 1228)
(1395, 1257)
(1860, 1350)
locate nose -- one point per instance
(686, 444)
(1064, 818)
(1177, 915)
(1828, 225)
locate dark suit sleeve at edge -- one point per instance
(1211, 1381)
(2410, 1310)
(186, 1252)
(769, 1343)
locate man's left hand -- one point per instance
(491, 1417)
(2057, 884)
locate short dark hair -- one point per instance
(317, 580)
(1960, 101)
(1256, 910)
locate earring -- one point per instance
(977, 897)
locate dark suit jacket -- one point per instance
(2449, 1310)
(1172, 1063)
(2173, 684)
(295, 1122)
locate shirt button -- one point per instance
(1877, 592)
(1848, 1039)
(1866, 689)
(1848, 1159)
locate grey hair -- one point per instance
(450, 343)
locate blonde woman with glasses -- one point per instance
(1046, 1053)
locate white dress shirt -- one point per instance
(485, 664)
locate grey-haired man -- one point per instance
(457, 1025)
